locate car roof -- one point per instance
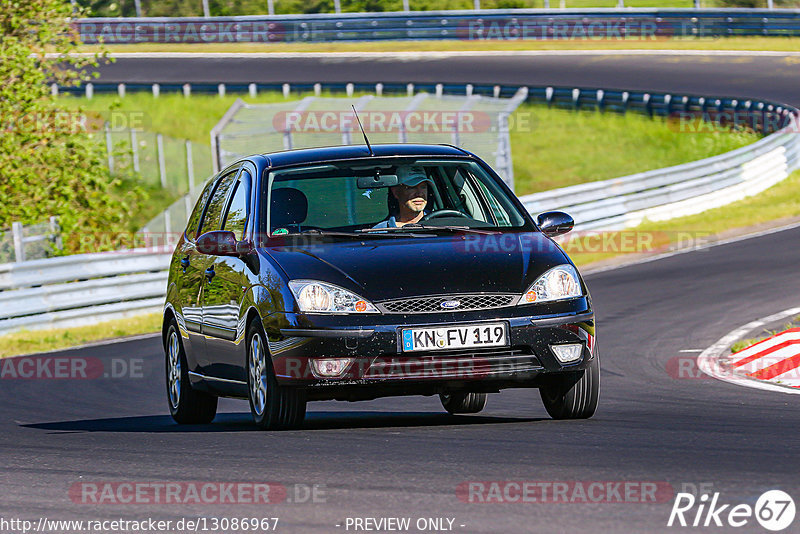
(345, 152)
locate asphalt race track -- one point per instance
(769, 77)
(405, 457)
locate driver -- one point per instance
(408, 199)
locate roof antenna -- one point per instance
(371, 153)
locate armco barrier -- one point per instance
(81, 289)
(489, 24)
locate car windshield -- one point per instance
(378, 196)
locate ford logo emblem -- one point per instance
(450, 304)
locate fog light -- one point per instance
(567, 353)
(330, 367)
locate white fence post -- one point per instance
(162, 166)
(109, 149)
(19, 245)
(89, 90)
(206, 11)
(134, 151)
(189, 165)
(55, 229)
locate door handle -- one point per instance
(184, 263)
(210, 274)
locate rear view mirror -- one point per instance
(377, 181)
(553, 223)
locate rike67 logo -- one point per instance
(774, 510)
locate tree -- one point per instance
(50, 164)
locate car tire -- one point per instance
(187, 406)
(573, 395)
(274, 407)
(463, 402)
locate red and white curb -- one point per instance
(772, 364)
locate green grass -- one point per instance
(34, 341)
(565, 148)
(781, 201)
(745, 343)
(780, 44)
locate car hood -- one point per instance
(396, 267)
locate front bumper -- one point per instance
(379, 366)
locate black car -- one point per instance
(352, 273)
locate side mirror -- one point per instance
(553, 223)
(221, 243)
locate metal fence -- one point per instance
(504, 25)
(159, 160)
(30, 241)
(476, 123)
(81, 289)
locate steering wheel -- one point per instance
(438, 214)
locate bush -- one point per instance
(49, 163)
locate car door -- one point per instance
(200, 263)
(189, 279)
(224, 332)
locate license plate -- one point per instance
(454, 337)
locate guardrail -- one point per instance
(490, 24)
(81, 289)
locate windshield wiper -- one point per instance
(339, 233)
(413, 227)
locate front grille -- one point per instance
(479, 301)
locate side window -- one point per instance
(236, 217)
(503, 218)
(213, 215)
(194, 218)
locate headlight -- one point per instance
(558, 283)
(321, 297)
